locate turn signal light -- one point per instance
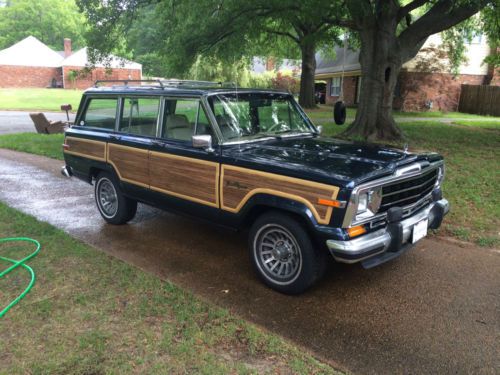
(331, 203)
(356, 231)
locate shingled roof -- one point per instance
(325, 66)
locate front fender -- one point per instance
(261, 202)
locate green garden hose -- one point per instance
(19, 263)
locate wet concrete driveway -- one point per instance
(436, 310)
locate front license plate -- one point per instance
(419, 230)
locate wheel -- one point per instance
(283, 255)
(113, 206)
(339, 113)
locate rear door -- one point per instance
(176, 168)
(128, 151)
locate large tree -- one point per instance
(226, 29)
(389, 33)
(48, 20)
(388, 38)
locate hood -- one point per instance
(333, 161)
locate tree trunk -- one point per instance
(306, 96)
(381, 60)
(379, 74)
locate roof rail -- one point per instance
(163, 83)
(194, 83)
(127, 81)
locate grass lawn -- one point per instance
(49, 145)
(38, 99)
(89, 313)
(326, 112)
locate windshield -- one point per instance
(248, 116)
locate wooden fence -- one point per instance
(480, 99)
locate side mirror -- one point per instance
(320, 129)
(203, 141)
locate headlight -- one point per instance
(440, 177)
(362, 203)
(368, 203)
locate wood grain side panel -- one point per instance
(130, 163)
(86, 147)
(188, 178)
(239, 185)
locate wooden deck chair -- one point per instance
(44, 126)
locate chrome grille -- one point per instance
(408, 191)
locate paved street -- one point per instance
(435, 310)
(20, 122)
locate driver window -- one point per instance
(183, 118)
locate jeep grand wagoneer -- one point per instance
(252, 159)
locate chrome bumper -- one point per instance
(389, 242)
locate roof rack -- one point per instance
(197, 84)
(127, 81)
(185, 83)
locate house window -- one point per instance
(335, 86)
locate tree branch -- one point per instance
(443, 15)
(403, 11)
(282, 33)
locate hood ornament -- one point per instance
(405, 148)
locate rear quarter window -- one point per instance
(100, 113)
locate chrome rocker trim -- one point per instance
(376, 243)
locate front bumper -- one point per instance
(385, 244)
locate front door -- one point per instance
(178, 169)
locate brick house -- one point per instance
(425, 82)
(31, 63)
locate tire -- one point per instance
(339, 113)
(297, 265)
(113, 206)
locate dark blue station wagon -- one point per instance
(247, 158)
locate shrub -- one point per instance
(286, 83)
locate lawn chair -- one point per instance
(44, 126)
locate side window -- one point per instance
(101, 113)
(139, 116)
(183, 118)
